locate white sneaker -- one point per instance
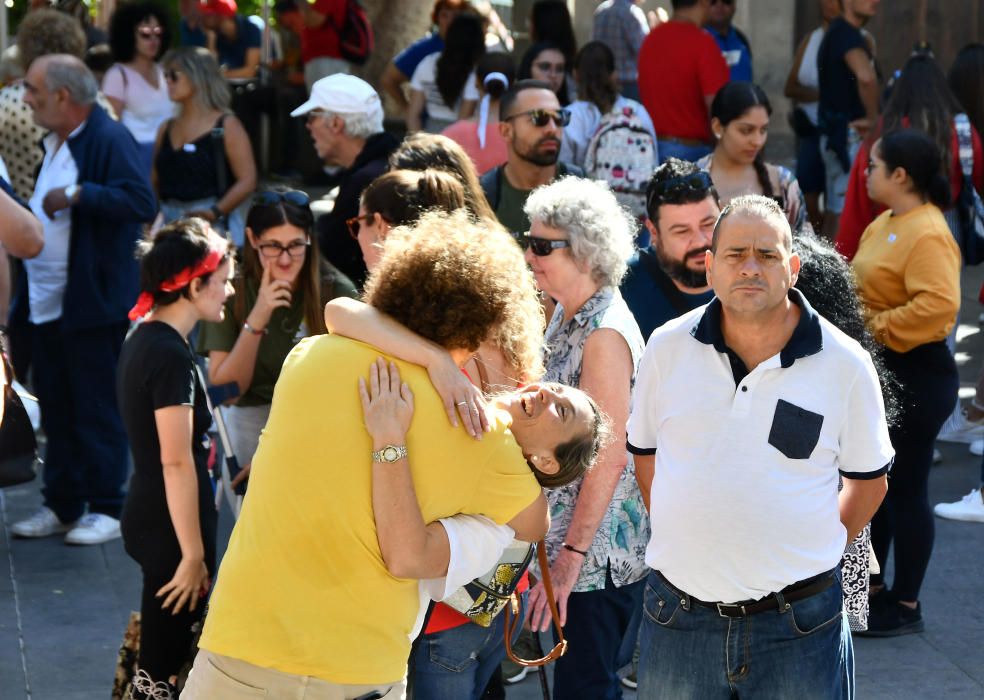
(964, 432)
(94, 528)
(42, 524)
(970, 508)
(977, 448)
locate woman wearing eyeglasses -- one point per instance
(283, 287)
(135, 85)
(577, 246)
(203, 161)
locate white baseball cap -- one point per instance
(341, 93)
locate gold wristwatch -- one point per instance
(390, 454)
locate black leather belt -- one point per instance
(774, 601)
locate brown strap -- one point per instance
(511, 617)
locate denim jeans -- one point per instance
(690, 651)
(670, 149)
(456, 664)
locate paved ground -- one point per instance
(63, 609)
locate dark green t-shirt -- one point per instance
(285, 330)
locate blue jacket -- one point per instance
(115, 201)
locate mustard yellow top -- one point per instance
(908, 271)
(303, 588)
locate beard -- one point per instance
(677, 269)
(533, 155)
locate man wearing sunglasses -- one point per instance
(669, 278)
(532, 123)
(345, 119)
(735, 48)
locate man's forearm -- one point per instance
(859, 501)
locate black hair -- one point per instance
(732, 101)
(123, 26)
(966, 80)
(915, 152)
(526, 67)
(921, 99)
(496, 62)
(550, 22)
(670, 169)
(463, 46)
(681, 4)
(510, 96)
(826, 280)
(595, 65)
(177, 246)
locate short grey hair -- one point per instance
(601, 232)
(202, 71)
(64, 72)
(765, 208)
(360, 126)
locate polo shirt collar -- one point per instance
(806, 340)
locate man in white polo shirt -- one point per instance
(753, 404)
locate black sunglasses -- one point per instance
(675, 186)
(269, 198)
(541, 247)
(542, 117)
(172, 74)
(723, 2)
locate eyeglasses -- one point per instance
(541, 117)
(541, 247)
(150, 32)
(675, 186)
(172, 75)
(355, 222)
(548, 67)
(273, 250)
(269, 198)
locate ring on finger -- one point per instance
(461, 403)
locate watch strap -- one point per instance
(390, 454)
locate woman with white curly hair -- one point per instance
(577, 246)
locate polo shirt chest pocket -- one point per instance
(795, 431)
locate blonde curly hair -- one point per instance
(459, 282)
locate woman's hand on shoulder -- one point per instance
(459, 395)
(387, 404)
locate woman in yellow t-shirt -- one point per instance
(908, 269)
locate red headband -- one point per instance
(207, 265)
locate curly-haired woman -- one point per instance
(135, 85)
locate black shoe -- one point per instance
(881, 601)
(893, 621)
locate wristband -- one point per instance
(254, 331)
(571, 548)
(216, 212)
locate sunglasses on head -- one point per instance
(542, 117)
(541, 247)
(269, 198)
(150, 32)
(695, 182)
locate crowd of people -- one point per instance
(573, 262)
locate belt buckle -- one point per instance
(720, 608)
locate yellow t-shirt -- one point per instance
(302, 587)
(908, 271)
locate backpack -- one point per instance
(355, 38)
(622, 152)
(968, 204)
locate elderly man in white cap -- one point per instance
(345, 119)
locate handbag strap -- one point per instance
(511, 618)
(965, 144)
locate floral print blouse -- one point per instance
(620, 543)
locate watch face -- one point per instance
(390, 454)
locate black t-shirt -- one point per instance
(232, 53)
(839, 98)
(157, 370)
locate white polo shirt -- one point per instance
(744, 497)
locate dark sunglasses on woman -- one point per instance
(541, 247)
(269, 198)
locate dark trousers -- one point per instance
(929, 380)
(165, 639)
(75, 381)
(596, 623)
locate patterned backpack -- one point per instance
(622, 152)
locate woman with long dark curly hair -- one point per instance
(443, 85)
(740, 122)
(138, 36)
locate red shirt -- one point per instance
(322, 42)
(859, 210)
(680, 63)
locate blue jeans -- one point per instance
(670, 149)
(456, 664)
(689, 651)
